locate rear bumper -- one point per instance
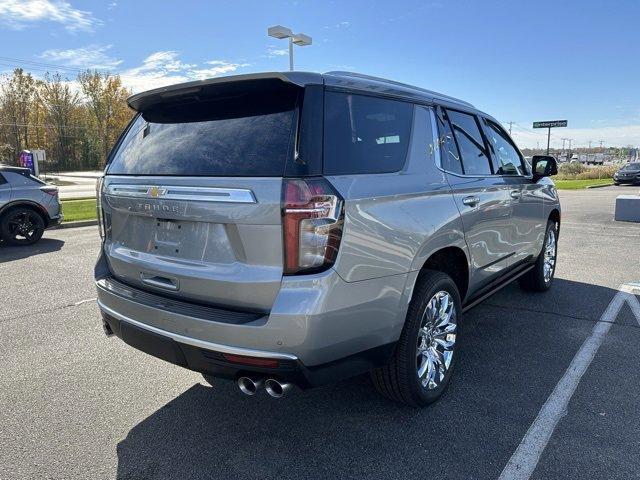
(320, 328)
(211, 360)
(55, 220)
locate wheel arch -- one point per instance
(453, 261)
(554, 216)
(39, 209)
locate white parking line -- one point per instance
(84, 301)
(525, 459)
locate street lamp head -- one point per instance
(301, 39)
(278, 31)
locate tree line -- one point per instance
(76, 123)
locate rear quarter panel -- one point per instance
(26, 191)
(394, 223)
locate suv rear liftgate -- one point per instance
(210, 197)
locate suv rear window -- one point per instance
(365, 134)
(240, 136)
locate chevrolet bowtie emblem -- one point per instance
(156, 192)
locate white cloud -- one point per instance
(276, 52)
(17, 14)
(162, 62)
(343, 24)
(89, 57)
(619, 136)
(217, 67)
(166, 68)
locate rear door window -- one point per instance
(250, 136)
(365, 134)
(466, 130)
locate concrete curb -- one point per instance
(600, 186)
(64, 198)
(81, 223)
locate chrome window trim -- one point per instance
(438, 155)
(485, 119)
(175, 192)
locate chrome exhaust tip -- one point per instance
(276, 388)
(248, 385)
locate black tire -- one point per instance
(21, 226)
(210, 379)
(399, 379)
(534, 280)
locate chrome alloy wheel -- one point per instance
(436, 339)
(550, 255)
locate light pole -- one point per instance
(299, 39)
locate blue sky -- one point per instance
(518, 60)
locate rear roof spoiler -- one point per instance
(146, 100)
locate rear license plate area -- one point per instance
(168, 235)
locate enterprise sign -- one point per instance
(550, 124)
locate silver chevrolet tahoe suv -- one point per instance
(295, 228)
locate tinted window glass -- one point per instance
(507, 160)
(631, 167)
(238, 137)
(20, 180)
(449, 155)
(2, 180)
(470, 142)
(365, 134)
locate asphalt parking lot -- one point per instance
(75, 404)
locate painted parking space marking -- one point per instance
(526, 457)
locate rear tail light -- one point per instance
(101, 227)
(312, 219)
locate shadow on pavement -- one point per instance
(44, 245)
(510, 360)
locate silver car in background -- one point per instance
(294, 228)
(28, 206)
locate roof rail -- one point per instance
(399, 84)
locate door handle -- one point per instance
(515, 194)
(159, 282)
(471, 201)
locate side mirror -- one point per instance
(543, 166)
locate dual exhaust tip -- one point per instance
(275, 388)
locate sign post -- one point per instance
(549, 124)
